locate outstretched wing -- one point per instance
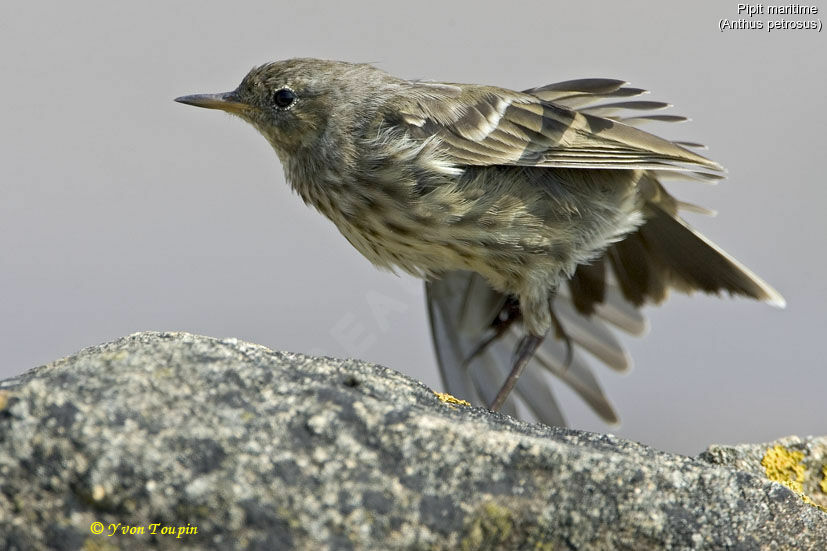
(483, 126)
(586, 123)
(463, 309)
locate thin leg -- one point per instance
(525, 351)
(505, 319)
(500, 327)
(484, 344)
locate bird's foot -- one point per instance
(522, 355)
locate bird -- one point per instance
(537, 218)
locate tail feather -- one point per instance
(677, 256)
(639, 278)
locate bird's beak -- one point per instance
(226, 101)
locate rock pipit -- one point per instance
(497, 198)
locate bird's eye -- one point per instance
(284, 98)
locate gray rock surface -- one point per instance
(268, 450)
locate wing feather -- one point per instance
(653, 118)
(581, 92)
(462, 306)
(485, 126)
(607, 109)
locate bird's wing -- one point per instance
(463, 308)
(569, 124)
(551, 126)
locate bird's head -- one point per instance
(291, 102)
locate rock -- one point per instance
(231, 445)
(798, 463)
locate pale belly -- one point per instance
(512, 243)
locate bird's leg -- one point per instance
(560, 333)
(486, 342)
(522, 355)
(506, 317)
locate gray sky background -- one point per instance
(122, 211)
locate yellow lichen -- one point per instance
(785, 467)
(494, 527)
(823, 483)
(448, 399)
(489, 529)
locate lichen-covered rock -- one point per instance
(233, 446)
(798, 463)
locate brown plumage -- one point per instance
(497, 198)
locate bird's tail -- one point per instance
(662, 254)
(666, 253)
